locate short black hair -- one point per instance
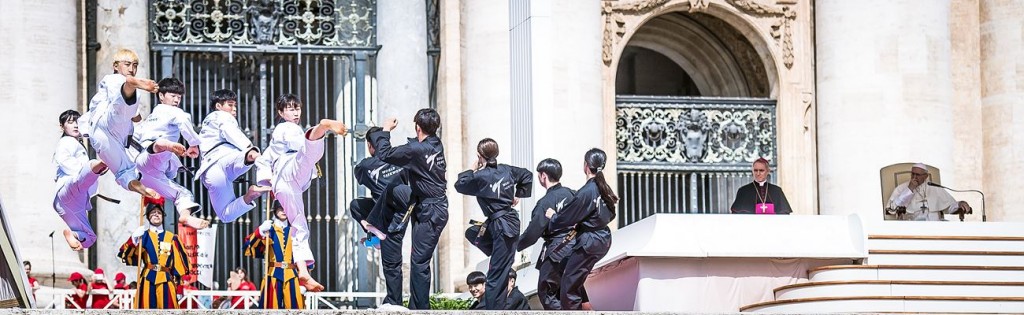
(428, 120)
(512, 274)
(27, 263)
(287, 100)
(69, 116)
(551, 167)
(371, 131)
(221, 96)
(171, 85)
(476, 277)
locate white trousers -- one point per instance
(113, 153)
(219, 180)
(158, 172)
(72, 203)
(292, 174)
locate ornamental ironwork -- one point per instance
(694, 133)
(334, 23)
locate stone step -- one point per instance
(891, 304)
(915, 272)
(953, 243)
(945, 257)
(899, 288)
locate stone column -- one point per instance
(884, 96)
(452, 246)
(120, 24)
(1002, 94)
(401, 64)
(40, 81)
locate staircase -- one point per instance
(918, 267)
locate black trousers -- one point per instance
(360, 209)
(549, 283)
(499, 243)
(591, 247)
(430, 216)
(390, 211)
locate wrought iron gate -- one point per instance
(688, 154)
(321, 50)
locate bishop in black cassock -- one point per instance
(751, 195)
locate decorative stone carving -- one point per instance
(781, 27)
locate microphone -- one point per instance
(983, 217)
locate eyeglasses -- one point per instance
(128, 63)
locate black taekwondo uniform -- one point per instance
(557, 245)
(495, 187)
(424, 161)
(589, 214)
(385, 211)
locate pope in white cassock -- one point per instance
(923, 202)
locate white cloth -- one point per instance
(289, 163)
(108, 124)
(924, 203)
(158, 172)
(220, 127)
(224, 147)
(219, 177)
(70, 157)
(167, 122)
(76, 184)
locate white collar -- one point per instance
(280, 223)
(760, 184)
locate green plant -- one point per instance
(438, 302)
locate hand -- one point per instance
(192, 152)
(390, 124)
(965, 208)
(550, 213)
(913, 184)
(139, 232)
(515, 201)
(480, 162)
(137, 118)
(265, 227)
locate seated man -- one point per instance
(476, 280)
(916, 200)
(761, 197)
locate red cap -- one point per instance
(148, 200)
(76, 276)
(98, 271)
(119, 276)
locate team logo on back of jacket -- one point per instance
(375, 173)
(496, 186)
(431, 158)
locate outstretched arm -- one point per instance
(399, 156)
(524, 182)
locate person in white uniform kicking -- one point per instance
(168, 123)
(108, 123)
(76, 183)
(287, 166)
(227, 154)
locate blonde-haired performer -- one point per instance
(108, 124)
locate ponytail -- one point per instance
(596, 160)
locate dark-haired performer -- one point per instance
(557, 244)
(163, 260)
(162, 129)
(423, 158)
(760, 196)
(76, 183)
(382, 214)
(590, 211)
(227, 154)
(497, 187)
(288, 166)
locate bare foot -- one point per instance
(255, 191)
(334, 125)
(372, 229)
(164, 145)
(98, 167)
(193, 222)
(310, 284)
(72, 240)
(136, 186)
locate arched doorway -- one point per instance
(693, 109)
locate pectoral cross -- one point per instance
(924, 205)
(764, 207)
